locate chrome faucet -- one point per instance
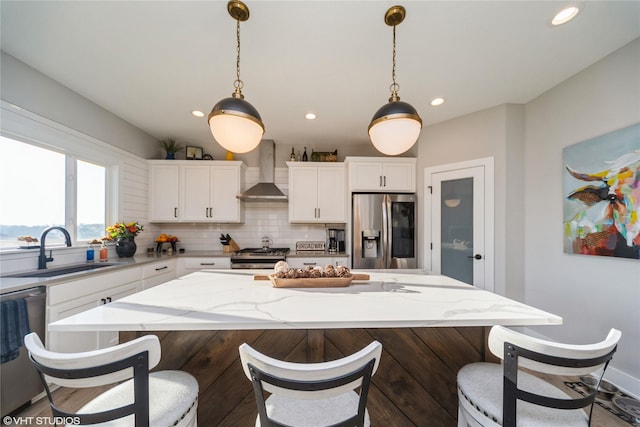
(42, 259)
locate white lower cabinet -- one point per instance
(159, 272)
(76, 296)
(190, 265)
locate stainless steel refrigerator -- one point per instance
(384, 233)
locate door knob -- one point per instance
(476, 256)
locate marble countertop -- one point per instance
(232, 300)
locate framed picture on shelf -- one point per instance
(194, 153)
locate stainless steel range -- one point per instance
(258, 258)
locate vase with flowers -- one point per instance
(124, 235)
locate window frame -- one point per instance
(29, 128)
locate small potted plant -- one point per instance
(124, 235)
(171, 146)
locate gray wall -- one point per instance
(496, 132)
(31, 90)
(592, 294)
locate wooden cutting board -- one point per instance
(321, 282)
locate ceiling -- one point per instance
(153, 62)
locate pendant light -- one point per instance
(235, 124)
(395, 127)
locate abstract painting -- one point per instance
(601, 189)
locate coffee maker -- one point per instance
(335, 240)
(332, 237)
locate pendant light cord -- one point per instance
(395, 87)
(238, 84)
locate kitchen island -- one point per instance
(429, 326)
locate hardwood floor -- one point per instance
(78, 397)
(414, 385)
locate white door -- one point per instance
(459, 221)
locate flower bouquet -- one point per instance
(124, 235)
(120, 230)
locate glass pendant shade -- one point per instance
(236, 125)
(395, 128)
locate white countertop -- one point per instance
(232, 300)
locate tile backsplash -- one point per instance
(261, 219)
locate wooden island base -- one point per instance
(415, 384)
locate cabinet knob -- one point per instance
(476, 256)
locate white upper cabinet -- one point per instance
(164, 192)
(226, 184)
(205, 191)
(381, 174)
(317, 192)
(195, 186)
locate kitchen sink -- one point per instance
(52, 272)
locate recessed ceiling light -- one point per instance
(436, 101)
(565, 15)
(310, 116)
(197, 113)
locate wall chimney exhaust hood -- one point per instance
(265, 190)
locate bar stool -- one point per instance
(311, 394)
(488, 393)
(163, 398)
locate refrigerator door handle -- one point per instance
(386, 230)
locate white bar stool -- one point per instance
(158, 399)
(494, 395)
(311, 394)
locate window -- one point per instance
(90, 201)
(39, 189)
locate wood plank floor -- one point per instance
(77, 398)
(414, 385)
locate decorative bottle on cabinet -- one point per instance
(304, 155)
(292, 157)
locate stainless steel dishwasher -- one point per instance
(20, 380)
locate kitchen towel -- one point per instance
(13, 328)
